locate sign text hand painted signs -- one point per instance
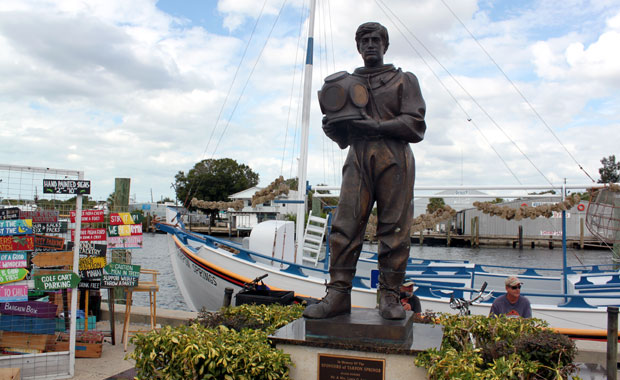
(65, 186)
(15, 227)
(16, 243)
(56, 281)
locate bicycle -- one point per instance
(462, 305)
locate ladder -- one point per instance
(313, 238)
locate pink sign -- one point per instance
(30, 309)
(90, 234)
(13, 264)
(89, 216)
(13, 293)
(125, 242)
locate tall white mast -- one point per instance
(305, 125)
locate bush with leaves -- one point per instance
(505, 348)
(208, 349)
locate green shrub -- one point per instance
(208, 349)
(505, 348)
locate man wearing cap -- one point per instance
(512, 304)
(379, 168)
(410, 301)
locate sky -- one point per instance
(520, 92)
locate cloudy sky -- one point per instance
(517, 92)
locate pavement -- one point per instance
(591, 355)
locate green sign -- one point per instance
(56, 281)
(124, 270)
(12, 275)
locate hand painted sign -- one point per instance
(15, 227)
(125, 230)
(50, 228)
(89, 216)
(56, 281)
(13, 293)
(13, 260)
(31, 309)
(87, 263)
(12, 275)
(40, 216)
(88, 249)
(120, 269)
(53, 259)
(44, 241)
(90, 234)
(89, 285)
(10, 213)
(63, 186)
(16, 243)
(119, 218)
(113, 281)
(125, 242)
(91, 274)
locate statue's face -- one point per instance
(372, 47)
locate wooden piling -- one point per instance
(581, 233)
(520, 237)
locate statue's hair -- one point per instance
(369, 27)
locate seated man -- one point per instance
(512, 303)
(409, 300)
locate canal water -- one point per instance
(154, 255)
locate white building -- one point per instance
(249, 216)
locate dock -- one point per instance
(449, 240)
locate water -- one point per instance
(154, 255)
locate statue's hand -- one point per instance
(367, 125)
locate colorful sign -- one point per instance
(12, 275)
(90, 234)
(120, 269)
(125, 242)
(119, 218)
(125, 230)
(13, 293)
(88, 249)
(87, 263)
(13, 260)
(9, 213)
(15, 227)
(89, 216)
(31, 309)
(53, 259)
(65, 186)
(56, 281)
(44, 241)
(16, 243)
(40, 216)
(50, 228)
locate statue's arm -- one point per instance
(409, 125)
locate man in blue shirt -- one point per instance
(512, 304)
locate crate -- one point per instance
(264, 297)
(87, 345)
(79, 323)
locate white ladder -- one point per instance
(313, 238)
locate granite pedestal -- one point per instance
(347, 346)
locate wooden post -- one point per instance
(520, 237)
(121, 204)
(612, 342)
(477, 228)
(86, 310)
(581, 233)
(448, 228)
(472, 229)
(422, 237)
(65, 305)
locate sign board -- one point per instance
(9, 213)
(53, 259)
(91, 274)
(13, 293)
(87, 263)
(44, 241)
(31, 309)
(120, 269)
(50, 228)
(90, 285)
(125, 230)
(350, 368)
(89, 216)
(15, 227)
(113, 281)
(16, 243)
(118, 218)
(40, 216)
(12, 275)
(56, 281)
(89, 249)
(13, 260)
(90, 234)
(125, 242)
(65, 186)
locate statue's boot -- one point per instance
(389, 294)
(338, 298)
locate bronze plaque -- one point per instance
(337, 367)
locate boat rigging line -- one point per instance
(516, 89)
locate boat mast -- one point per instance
(305, 126)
